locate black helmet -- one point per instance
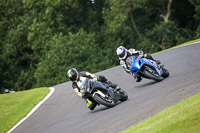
(72, 74)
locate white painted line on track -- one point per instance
(52, 90)
(33, 110)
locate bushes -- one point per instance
(41, 40)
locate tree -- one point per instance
(41, 39)
(168, 13)
(74, 50)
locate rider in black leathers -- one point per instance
(78, 81)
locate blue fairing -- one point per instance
(135, 64)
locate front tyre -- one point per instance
(104, 101)
(149, 75)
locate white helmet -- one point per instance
(121, 52)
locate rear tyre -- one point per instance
(149, 75)
(104, 101)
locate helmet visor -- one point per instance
(73, 78)
(122, 54)
(72, 74)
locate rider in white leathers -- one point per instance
(123, 54)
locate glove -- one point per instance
(132, 51)
(94, 77)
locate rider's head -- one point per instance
(121, 52)
(72, 74)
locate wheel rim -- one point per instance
(108, 99)
(152, 71)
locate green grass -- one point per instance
(197, 40)
(183, 117)
(193, 41)
(15, 106)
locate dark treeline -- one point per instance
(41, 39)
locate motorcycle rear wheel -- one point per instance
(165, 73)
(123, 94)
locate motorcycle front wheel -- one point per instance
(151, 74)
(104, 101)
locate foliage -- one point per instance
(163, 36)
(40, 40)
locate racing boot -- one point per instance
(157, 62)
(110, 84)
(148, 56)
(113, 85)
(103, 79)
(161, 66)
(91, 104)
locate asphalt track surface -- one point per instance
(65, 112)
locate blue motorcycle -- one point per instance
(147, 68)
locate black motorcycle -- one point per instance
(102, 93)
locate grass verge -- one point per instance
(197, 40)
(193, 41)
(183, 117)
(15, 106)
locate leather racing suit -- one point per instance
(79, 84)
(137, 53)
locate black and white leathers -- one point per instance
(79, 84)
